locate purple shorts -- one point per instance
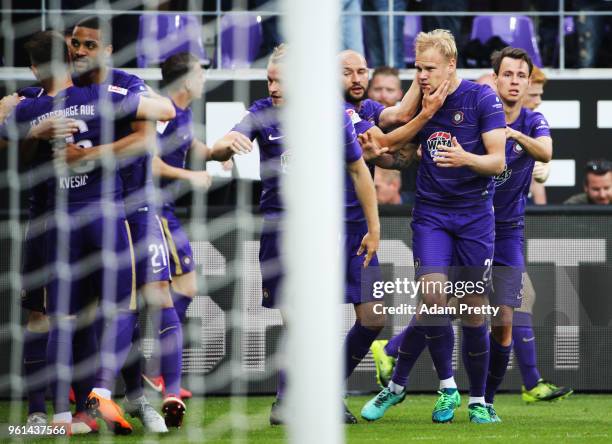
(358, 284)
(181, 255)
(34, 262)
(462, 240)
(88, 264)
(150, 248)
(508, 267)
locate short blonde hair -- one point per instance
(278, 54)
(537, 76)
(441, 39)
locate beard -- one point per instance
(350, 98)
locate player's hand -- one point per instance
(240, 144)
(54, 128)
(7, 104)
(433, 102)
(228, 165)
(541, 171)
(369, 245)
(453, 156)
(200, 179)
(71, 154)
(371, 149)
(511, 133)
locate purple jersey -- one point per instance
(364, 118)
(40, 167)
(467, 113)
(175, 138)
(262, 123)
(512, 186)
(81, 183)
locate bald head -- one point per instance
(354, 76)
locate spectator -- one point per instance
(541, 171)
(443, 21)
(591, 32)
(377, 33)
(388, 184)
(386, 88)
(597, 184)
(352, 34)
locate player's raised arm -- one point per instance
(539, 148)
(366, 193)
(198, 179)
(404, 111)
(155, 108)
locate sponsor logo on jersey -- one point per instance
(438, 138)
(503, 177)
(457, 118)
(118, 90)
(161, 126)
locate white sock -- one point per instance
(396, 388)
(476, 400)
(448, 383)
(104, 393)
(62, 418)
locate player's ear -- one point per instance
(108, 50)
(452, 65)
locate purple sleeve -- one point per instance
(377, 109)
(352, 149)
(248, 125)
(539, 126)
(490, 110)
(15, 121)
(126, 105)
(137, 86)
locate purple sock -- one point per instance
(523, 338)
(281, 385)
(181, 303)
(171, 348)
(475, 348)
(34, 368)
(441, 341)
(412, 345)
(59, 360)
(85, 351)
(132, 370)
(392, 347)
(498, 364)
(356, 346)
(115, 346)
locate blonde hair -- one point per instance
(441, 39)
(538, 76)
(278, 54)
(388, 176)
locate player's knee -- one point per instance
(370, 317)
(502, 334)
(185, 284)
(157, 294)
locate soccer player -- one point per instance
(361, 217)
(453, 225)
(91, 50)
(527, 140)
(95, 224)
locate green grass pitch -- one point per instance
(578, 419)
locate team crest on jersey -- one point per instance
(518, 149)
(353, 115)
(435, 139)
(457, 117)
(285, 161)
(503, 177)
